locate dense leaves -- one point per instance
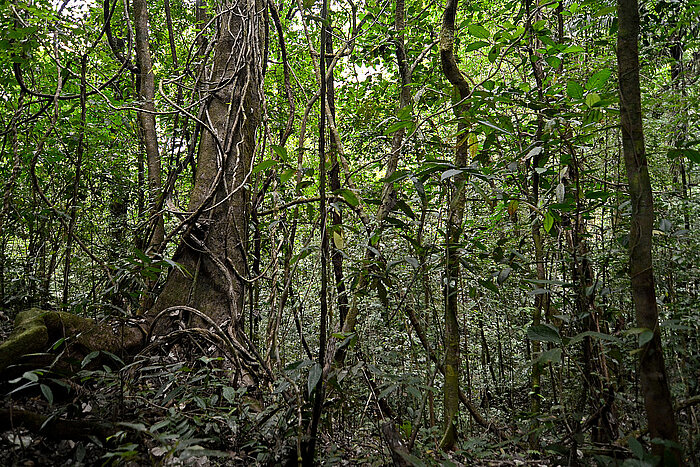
(549, 345)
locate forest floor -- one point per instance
(124, 432)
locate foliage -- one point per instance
(542, 128)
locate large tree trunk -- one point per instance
(213, 249)
(654, 382)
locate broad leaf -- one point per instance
(574, 90)
(47, 392)
(479, 31)
(264, 165)
(229, 394)
(449, 173)
(349, 196)
(314, 377)
(476, 45)
(598, 80)
(548, 222)
(550, 356)
(543, 333)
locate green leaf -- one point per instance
(338, 240)
(397, 176)
(491, 125)
(396, 126)
(548, 222)
(476, 46)
(449, 173)
(605, 11)
(349, 339)
(303, 253)
(264, 165)
(88, 358)
(314, 377)
(31, 376)
(280, 151)
(599, 335)
(598, 79)
(574, 90)
(636, 447)
(349, 196)
(550, 356)
(572, 49)
(229, 394)
(692, 154)
(553, 61)
(47, 392)
(414, 392)
(592, 99)
(560, 191)
(543, 333)
(411, 459)
(303, 184)
(157, 426)
(645, 337)
(503, 275)
(493, 53)
(286, 175)
(489, 285)
(665, 225)
(478, 31)
(405, 208)
(134, 426)
(536, 151)
(114, 357)
(598, 194)
(387, 391)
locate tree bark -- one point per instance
(213, 248)
(147, 123)
(654, 381)
(454, 228)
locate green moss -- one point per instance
(35, 330)
(29, 336)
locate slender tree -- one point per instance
(454, 227)
(147, 122)
(652, 370)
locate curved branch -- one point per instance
(447, 58)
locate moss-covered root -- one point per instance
(36, 329)
(29, 336)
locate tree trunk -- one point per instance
(454, 229)
(147, 123)
(335, 185)
(654, 381)
(213, 248)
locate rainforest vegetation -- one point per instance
(350, 232)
